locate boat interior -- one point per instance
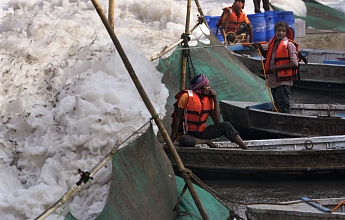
(319, 110)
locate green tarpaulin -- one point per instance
(320, 16)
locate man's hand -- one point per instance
(273, 69)
(257, 45)
(213, 94)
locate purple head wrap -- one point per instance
(198, 82)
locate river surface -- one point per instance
(246, 192)
(253, 191)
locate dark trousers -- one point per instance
(265, 3)
(211, 132)
(282, 96)
(215, 131)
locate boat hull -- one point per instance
(295, 210)
(260, 121)
(313, 75)
(290, 158)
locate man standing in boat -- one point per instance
(192, 110)
(281, 65)
(266, 5)
(231, 21)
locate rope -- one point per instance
(84, 178)
(333, 210)
(188, 174)
(268, 88)
(236, 37)
(190, 66)
(179, 212)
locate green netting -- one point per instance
(214, 208)
(320, 16)
(228, 76)
(143, 186)
(142, 182)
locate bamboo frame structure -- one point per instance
(150, 107)
(109, 24)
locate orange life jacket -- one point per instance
(230, 21)
(196, 112)
(282, 57)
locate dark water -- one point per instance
(248, 191)
(237, 192)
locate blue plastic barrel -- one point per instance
(270, 17)
(212, 21)
(288, 17)
(258, 23)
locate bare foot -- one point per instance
(205, 141)
(211, 144)
(238, 140)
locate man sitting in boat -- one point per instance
(281, 65)
(192, 110)
(231, 23)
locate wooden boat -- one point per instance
(259, 120)
(305, 209)
(289, 158)
(144, 186)
(325, 69)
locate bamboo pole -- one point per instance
(185, 42)
(111, 13)
(149, 106)
(165, 50)
(199, 8)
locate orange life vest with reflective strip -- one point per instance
(282, 57)
(230, 21)
(196, 112)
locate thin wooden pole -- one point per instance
(149, 106)
(111, 13)
(199, 8)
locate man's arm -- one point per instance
(250, 33)
(257, 45)
(215, 113)
(176, 124)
